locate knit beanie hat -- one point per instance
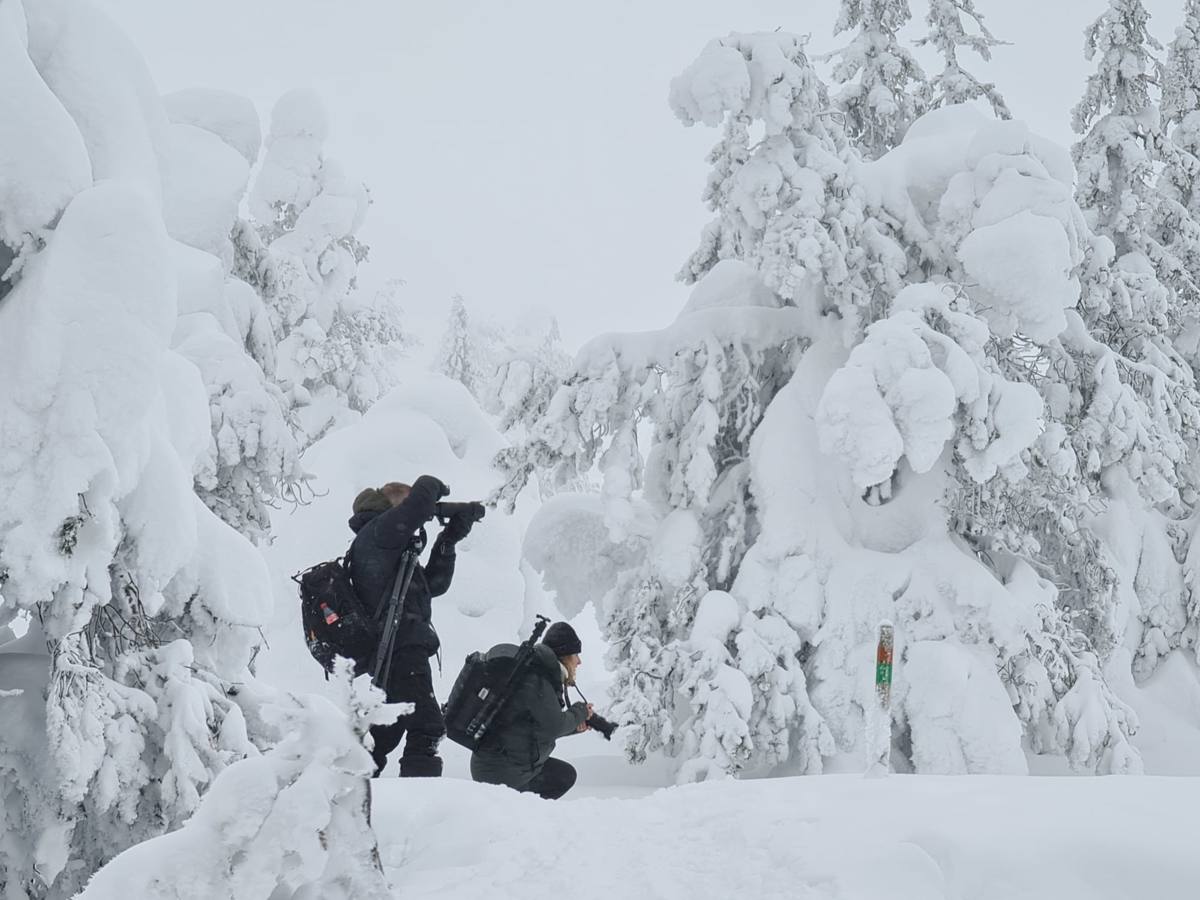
(371, 499)
(562, 639)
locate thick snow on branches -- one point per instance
(895, 394)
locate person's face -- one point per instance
(571, 663)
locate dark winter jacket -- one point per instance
(524, 735)
(380, 540)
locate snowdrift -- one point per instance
(904, 838)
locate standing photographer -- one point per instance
(386, 522)
(517, 752)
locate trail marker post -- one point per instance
(879, 719)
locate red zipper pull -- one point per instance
(330, 615)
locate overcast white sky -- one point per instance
(523, 153)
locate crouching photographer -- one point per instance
(396, 591)
(517, 750)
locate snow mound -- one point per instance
(905, 838)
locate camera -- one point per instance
(472, 511)
(602, 725)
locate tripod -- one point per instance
(391, 613)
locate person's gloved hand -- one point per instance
(434, 485)
(587, 714)
(457, 528)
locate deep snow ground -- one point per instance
(840, 836)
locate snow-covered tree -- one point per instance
(527, 374)
(880, 80)
(1181, 120)
(1121, 138)
(1181, 79)
(1140, 296)
(329, 350)
(223, 327)
(937, 437)
(948, 33)
(513, 370)
(786, 204)
(127, 385)
(1179, 182)
(456, 358)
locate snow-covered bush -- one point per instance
(295, 819)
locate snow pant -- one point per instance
(411, 682)
(555, 779)
(550, 782)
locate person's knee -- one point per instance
(558, 777)
(569, 777)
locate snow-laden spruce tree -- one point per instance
(1121, 138)
(1181, 78)
(880, 81)
(528, 365)
(786, 204)
(456, 356)
(528, 372)
(844, 432)
(1138, 303)
(1180, 113)
(330, 347)
(1179, 182)
(132, 688)
(948, 33)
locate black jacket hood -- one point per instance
(358, 520)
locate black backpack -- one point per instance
(482, 689)
(335, 622)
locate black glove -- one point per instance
(458, 527)
(433, 485)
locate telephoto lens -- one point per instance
(474, 511)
